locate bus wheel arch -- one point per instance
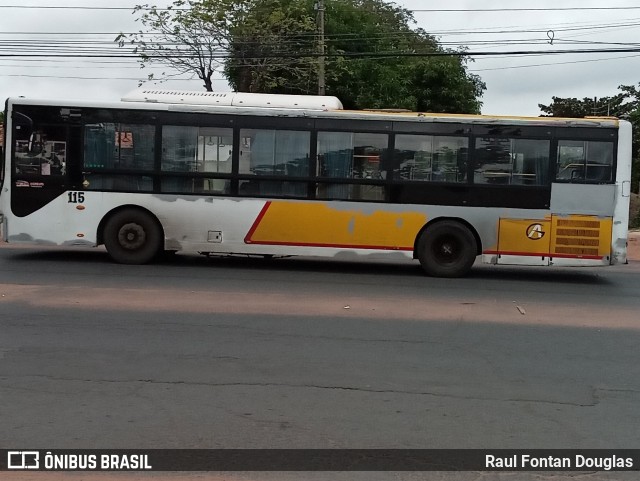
(447, 247)
(131, 234)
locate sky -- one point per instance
(516, 84)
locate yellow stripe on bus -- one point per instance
(323, 225)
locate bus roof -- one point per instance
(307, 106)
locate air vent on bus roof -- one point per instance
(234, 99)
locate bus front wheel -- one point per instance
(132, 236)
(447, 249)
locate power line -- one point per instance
(68, 7)
(553, 63)
(57, 51)
(138, 79)
(561, 27)
(428, 10)
(224, 55)
(26, 47)
(144, 78)
(564, 27)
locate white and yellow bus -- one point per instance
(276, 175)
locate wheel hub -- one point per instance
(447, 250)
(131, 236)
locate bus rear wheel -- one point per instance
(447, 249)
(132, 236)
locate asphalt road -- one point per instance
(297, 353)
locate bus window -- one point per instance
(348, 155)
(429, 158)
(584, 161)
(118, 146)
(113, 147)
(196, 149)
(215, 150)
(274, 153)
(42, 151)
(511, 161)
(200, 150)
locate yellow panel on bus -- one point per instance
(582, 236)
(319, 224)
(524, 237)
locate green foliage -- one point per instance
(374, 58)
(360, 28)
(271, 49)
(276, 51)
(618, 106)
(625, 105)
(441, 84)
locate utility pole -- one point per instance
(321, 51)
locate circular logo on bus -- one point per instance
(535, 232)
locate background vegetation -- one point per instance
(373, 55)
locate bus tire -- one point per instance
(447, 249)
(132, 236)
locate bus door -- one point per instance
(41, 149)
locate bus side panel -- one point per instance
(578, 239)
(313, 228)
(71, 218)
(579, 210)
(286, 227)
(587, 199)
(299, 227)
(322, 224)
(524, 242)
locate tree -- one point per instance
(625, 104)
(374, 59)
(356, 30)
(271, 50)
(443, 85)
(189, 36)
(369, 57)
(618, 105)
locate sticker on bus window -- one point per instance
(124, 140)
